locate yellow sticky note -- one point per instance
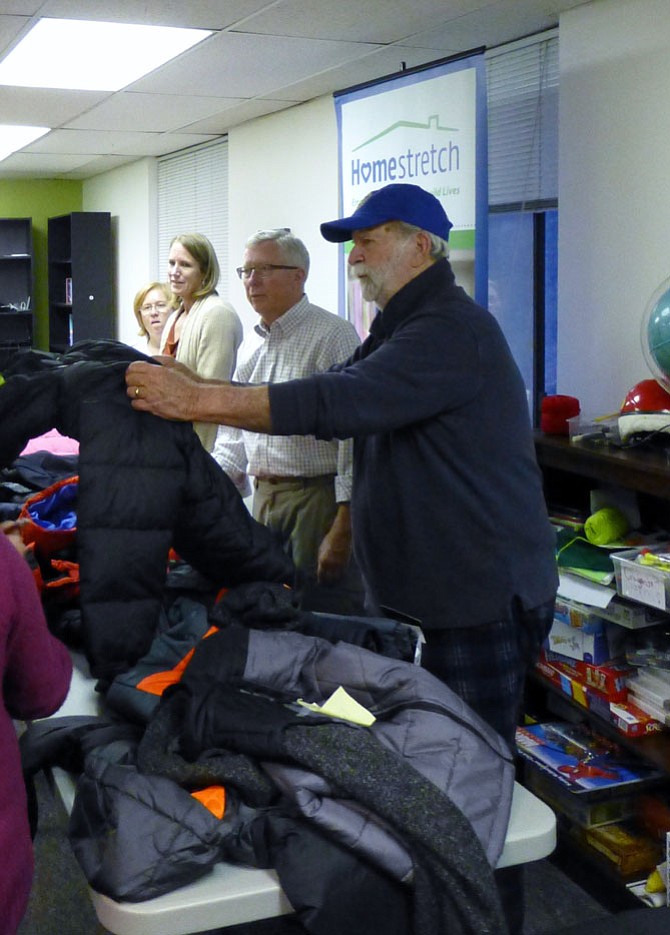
(343, 706)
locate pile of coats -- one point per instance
(214, 745)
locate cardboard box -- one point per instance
(610, 678)
(582, 811)
(629, 615)
(580, 643)
(627, 717)
(584, 761)
(579, 632)
(632, 721)
(565, 676)
(628, 850)
(577, 615)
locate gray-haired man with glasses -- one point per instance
(301, 485)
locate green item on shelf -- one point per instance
(574, 553)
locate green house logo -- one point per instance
(433, 124)
(432, 162)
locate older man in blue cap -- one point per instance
(449, 522)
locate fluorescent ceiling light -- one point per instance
(92, 56)
(13, 138)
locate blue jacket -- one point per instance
(449, 520)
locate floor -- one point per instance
(60, 903)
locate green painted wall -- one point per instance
(39, 199)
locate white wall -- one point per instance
(614, 192)
(129, 194)
(284, 173)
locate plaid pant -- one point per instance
(486, 665)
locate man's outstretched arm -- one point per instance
(173, 392)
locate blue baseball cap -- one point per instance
(396, 202)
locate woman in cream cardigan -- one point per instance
(204, 332)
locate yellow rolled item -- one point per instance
(606, 525)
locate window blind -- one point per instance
(522, 89)
(193, 198)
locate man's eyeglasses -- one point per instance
(159, 306)
(263, 269)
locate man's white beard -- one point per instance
(370, 283)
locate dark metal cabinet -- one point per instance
(16, 282)
(80, 278)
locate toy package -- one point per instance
(581, 759)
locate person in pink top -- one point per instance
(36, 669)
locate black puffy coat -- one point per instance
(145, 485)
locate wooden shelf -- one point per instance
(605, 886)
(653, 748)
(571, 471)
(640, 469)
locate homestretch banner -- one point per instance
(427, 127)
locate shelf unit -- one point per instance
(570, 472)
(16, 282)
(80, 278)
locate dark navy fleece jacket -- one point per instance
(449, 520)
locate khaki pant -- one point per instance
(301, 511)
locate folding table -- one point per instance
(232, 894)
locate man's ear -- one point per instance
(424, 246)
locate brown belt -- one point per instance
(273, 480)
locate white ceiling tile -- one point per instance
(202, 14)
(40, 164)
(375, 21)
(244, 66)
(96, 166)
(265, 56)
(502, 22)
(152, 112)
(392, 60)
(159, 144)
(231, 117)
(10, 27)
(22, 7)
(87, 143)
(41, 107)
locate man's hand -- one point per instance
(173, 391)
(12, 529)
(335, 548)
(169, 390)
